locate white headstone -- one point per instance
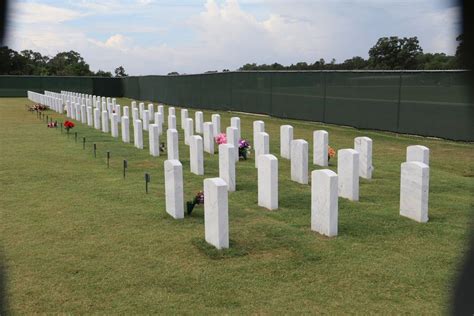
(171, 111)
(299, 161)
(83, 114)
(159, 122)
(90, 120)
(96, 118)
(227, 165)
(324, 202)
(196, 160)
(146, 120)
(286, 137)
(199, 122)
(171, 122)
(114, 125)
(320, 148)
(105, 121)
(261, 145)
(258, 127)
(268, 182)
(174, 188)
(216, 123)
(348, 172)
(118, 110)
(138, 134)
(184, 116)
(363, 145)
(414, 189)
(235, 122)
(161, 110)
(125, 129)
(154, 140)
(208, 134)
(142, 108)
(233, 139)
(135, 115)
(151, 111)
(418, 153)
(189, 130)
(216, 213)
(126, 111)
(172, 144)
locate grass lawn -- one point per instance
(76, 237)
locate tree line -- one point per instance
(389, 53)
(29, 62)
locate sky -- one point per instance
(149, 37)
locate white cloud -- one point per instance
(31, 12)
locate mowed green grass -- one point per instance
(78, 238)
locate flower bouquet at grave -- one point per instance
(162, 147)
(52, 124)
(221, 139)
(38, 107)
(331, 153)
(244, 149)
(68, 125)
(198, 199)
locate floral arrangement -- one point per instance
(38, 107)
(52, 124)
(244, 149)
(221, 139)
(68, 125)
(198, 199)
(331, 153)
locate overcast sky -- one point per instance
(192, 36)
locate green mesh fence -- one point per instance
(427, 103)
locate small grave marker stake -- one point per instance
(75, 137)
(125, 166)
(95, 150)
(147, 180)
(83, 143)
(108, 159)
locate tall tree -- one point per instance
(395, 53)
(68, 64)
(120, 72)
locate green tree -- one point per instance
(395, 53)
(35, 63)
(461, 53)
(355, 62)
(11, 63)
(101, 73)
(120, 72)
(68, 64)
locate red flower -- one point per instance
(68, 125)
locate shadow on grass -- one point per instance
(210, 251)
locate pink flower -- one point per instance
(221, 139)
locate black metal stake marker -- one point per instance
(95, 150)
(125, 166)
(47, 118)
(75, 137)
(108, 159)
(83, 143)
(147, 180)
(61, 123)
(56, 124)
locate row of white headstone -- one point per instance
(326, 185)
